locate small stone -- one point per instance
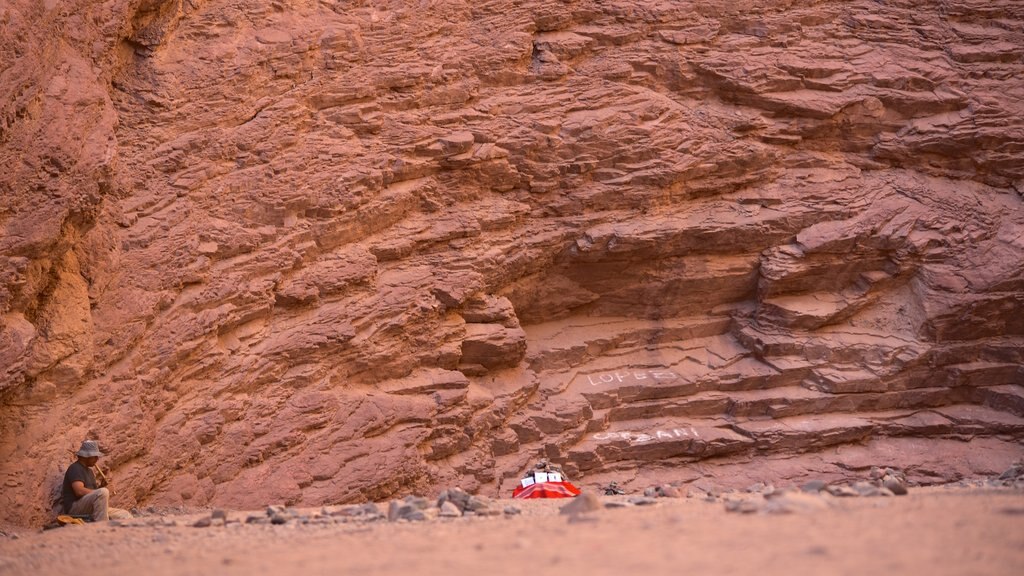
(218, 514)
(650, 492)
(419, 502)
(742, 506)
(876, 473)
(478, 503)
(407, 511)
(669, 491)
(1012, 472)
(814, 486)
(203, 522)
(895, 486)
(456, 496)
(278, 519)
(895, 474)
(842, 491)
(393, 507)
(582, 504)
(449, 510)
(616, 504)
(512, 511)
(642, 501)
(369, 511)
(759, 487)
(865, 488)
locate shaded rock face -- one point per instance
(317, 252)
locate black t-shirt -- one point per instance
(76, 473)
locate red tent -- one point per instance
(546, 490)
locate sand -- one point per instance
(936, 531)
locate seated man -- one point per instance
(80, 492)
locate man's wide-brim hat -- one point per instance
(89, 449)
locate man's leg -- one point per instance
(94, 503)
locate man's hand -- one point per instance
(101, 481)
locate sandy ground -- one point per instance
(930, 531)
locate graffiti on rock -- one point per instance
(643, 437)
(619, 377)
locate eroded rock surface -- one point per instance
(323, 252)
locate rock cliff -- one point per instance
(310, 252)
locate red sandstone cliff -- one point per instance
(330, 251)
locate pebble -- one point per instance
(814, 486)
(404, 511)
(864, 488)
(742, 506)
(369, 511)
(485, 512)
(449, 510)
(842, 491)
(478, 503)
(1013, 472)
(663, 491)
(203, 522)
(582, 504)
(895, 486)
(393, 507)
(419, 502)
(456, 496)
(668, 491)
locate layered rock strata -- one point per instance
(327, 252)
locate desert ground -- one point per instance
(953, 530)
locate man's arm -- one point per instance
(78, 487)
